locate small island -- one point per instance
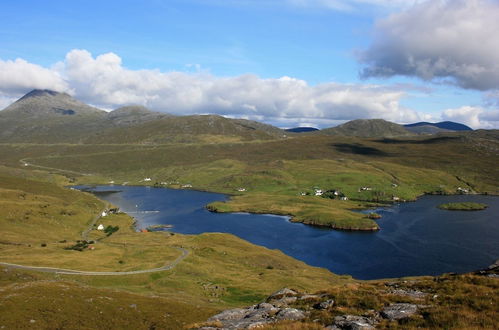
(463, 206)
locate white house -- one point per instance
(318, 192)
(100, 227)
(147, 179)
(104, 213)
(241, 189)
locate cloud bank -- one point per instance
(104, 81)
(455, 42)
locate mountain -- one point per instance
(433, 128)
(52, 117)
(301, 129)
(368, 128)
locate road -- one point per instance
(169, 266)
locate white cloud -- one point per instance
(18, 75)
(104, 81)
(475, 117)
(453, 41)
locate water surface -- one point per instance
(415, 238)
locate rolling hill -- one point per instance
(368, 128)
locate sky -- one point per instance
(284, 62)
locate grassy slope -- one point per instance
(452, 302)
(220, 271)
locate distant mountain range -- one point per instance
(301, 129)
(52, 117)
(433, 128)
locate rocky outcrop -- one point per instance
(281, 306)
(399, 311)
(254, 316)
(352, 322)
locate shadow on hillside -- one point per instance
(359, 149)
(425, 141)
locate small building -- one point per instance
(103, 214)
(395, 198)
(241, 189)
(344, 198)
(318, 192)
(147, 179)
(188, 185)
(100, 227)
(111, 182)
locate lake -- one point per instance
(415, 238)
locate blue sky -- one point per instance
(229, 57)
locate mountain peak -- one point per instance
(48, 103)
(41, 92)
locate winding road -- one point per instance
(169, 266)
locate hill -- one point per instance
(433, 128)
(368, 128)
(53, 117)
(188, 129)
(133, 115)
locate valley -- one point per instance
(44, 150)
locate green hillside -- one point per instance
(368, 128)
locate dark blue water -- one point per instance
(415, 238)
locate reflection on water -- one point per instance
(415, 238)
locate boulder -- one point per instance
(292, 314)
(282, 293)
(230, 314)
(409, 293)
(324, 304)
(352, 322)
(284, 301)
(399, 311)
